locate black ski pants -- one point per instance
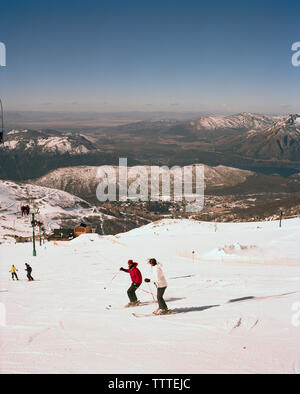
(29, 276)
(160, 298)
(131, 292)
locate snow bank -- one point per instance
(86, 239)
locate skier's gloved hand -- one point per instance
(122, 269)
(147, 280)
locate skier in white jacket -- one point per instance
(161, 284)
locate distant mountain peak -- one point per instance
(243, 120)
(47, 141)
(287, 126)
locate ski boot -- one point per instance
(134, 303)
(129, 305)
(162, 312)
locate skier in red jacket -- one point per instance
(136, 277)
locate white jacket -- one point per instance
(157, 276)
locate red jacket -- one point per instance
(135, 274)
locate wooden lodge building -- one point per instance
(82, 229)
(63, 234)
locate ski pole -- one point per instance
(151, 293)
(111, 280)
(146, 291)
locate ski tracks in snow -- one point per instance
(241, 322)
(33, 336)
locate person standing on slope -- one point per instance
(136, 277)
(28, 269)
(161, 284)
(13, 272)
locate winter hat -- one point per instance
(130, 261)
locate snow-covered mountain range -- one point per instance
(27, 154)
(46, 142)
(248, 141)
(244, 120)
(280, 141)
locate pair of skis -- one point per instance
(151, 314)
(155, 313)
(141, 303)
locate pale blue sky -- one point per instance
(170, 55)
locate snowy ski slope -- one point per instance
(235, 298)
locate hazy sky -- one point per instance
(169, 55)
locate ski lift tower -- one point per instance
(34, 224)
(2, 122)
